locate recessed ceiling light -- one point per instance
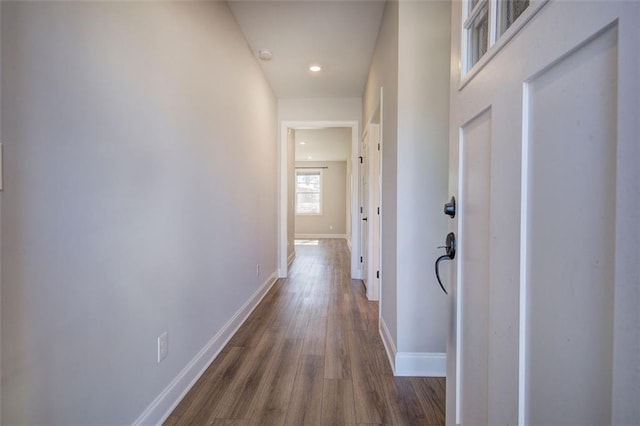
(302, 143)
(265, 54)
(309, 157)
(315, 68)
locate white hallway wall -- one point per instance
(320, 109)
(384, 73)
(423, 167)
(121, 128)
(411, 62)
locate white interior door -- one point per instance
(371, 208)
(544, 151)
(364, 209)
(374, 212)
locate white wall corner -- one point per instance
(412, 364)
(162, 406)
(292, 256)
(389, 346)
(421, 364)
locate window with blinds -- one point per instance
(510, 10)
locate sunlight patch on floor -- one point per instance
(307, 242)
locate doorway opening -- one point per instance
(303, 187)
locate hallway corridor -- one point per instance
(311, 354)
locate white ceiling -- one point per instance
(340, 35)
(330, 144)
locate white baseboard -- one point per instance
(161, 407)
(291, 257)
(316, 236)
(421, 364)
(389, 346)
(413, 364)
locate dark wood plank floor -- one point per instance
(310, 354)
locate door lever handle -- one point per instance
(440, 259)
(365, 219)
(449, 255)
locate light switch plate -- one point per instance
(163, 346)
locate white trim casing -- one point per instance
(524, 220)
(162, 406)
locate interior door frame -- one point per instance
(364, 210)
(283, 191)
(374, 155)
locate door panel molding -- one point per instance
(472, 357)
(573, 168)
